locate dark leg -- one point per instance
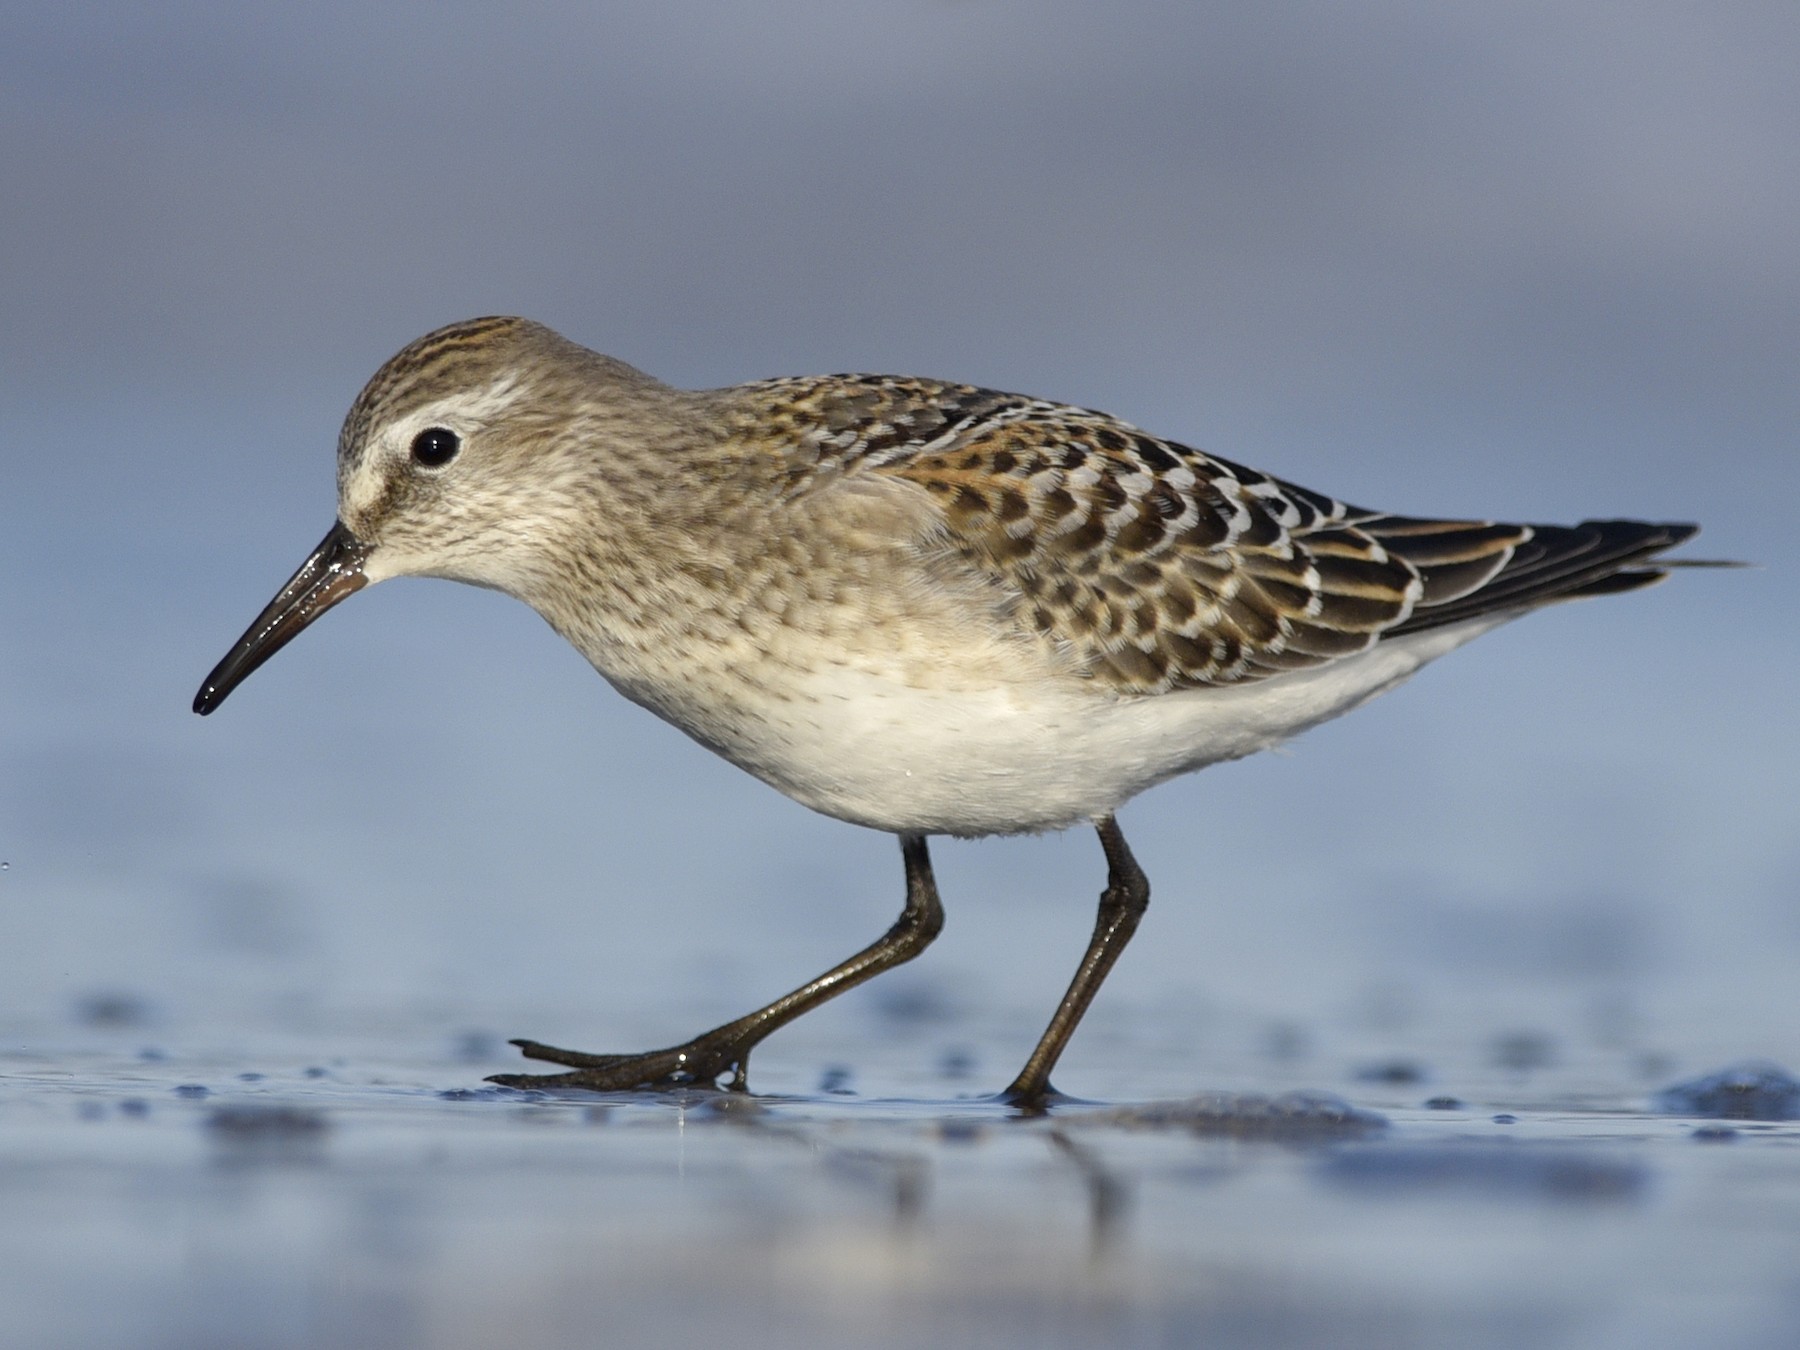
(1122, 904)
(724, 1050)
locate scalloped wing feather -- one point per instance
(1152, 566)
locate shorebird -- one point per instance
(921, 607)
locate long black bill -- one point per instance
(333, 573)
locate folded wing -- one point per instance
(1154, 566)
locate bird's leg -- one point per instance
(725, 1050)
(1122, 904)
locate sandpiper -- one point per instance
(921, 607)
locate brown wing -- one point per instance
(1154, 566)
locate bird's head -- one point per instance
(464, 457)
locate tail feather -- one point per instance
(1536, 565)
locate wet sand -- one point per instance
(354, 1183)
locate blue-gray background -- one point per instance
(1531, 261)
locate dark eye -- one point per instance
(435, 447)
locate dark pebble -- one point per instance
(135, 1107)
(1714, 1134)
(314, 1071)
(1442, 1104)
(193, 1090)
(1506, 1118)
(1751, 1090)
(250, 1077)
(1395, 1071)
(835, 1079)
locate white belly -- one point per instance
(1036, 754)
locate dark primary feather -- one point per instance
(1557, 562)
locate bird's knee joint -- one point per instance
(917, 924)
(1130, 894)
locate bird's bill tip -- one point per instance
(332, 573)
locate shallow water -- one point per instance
(353, 1183)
